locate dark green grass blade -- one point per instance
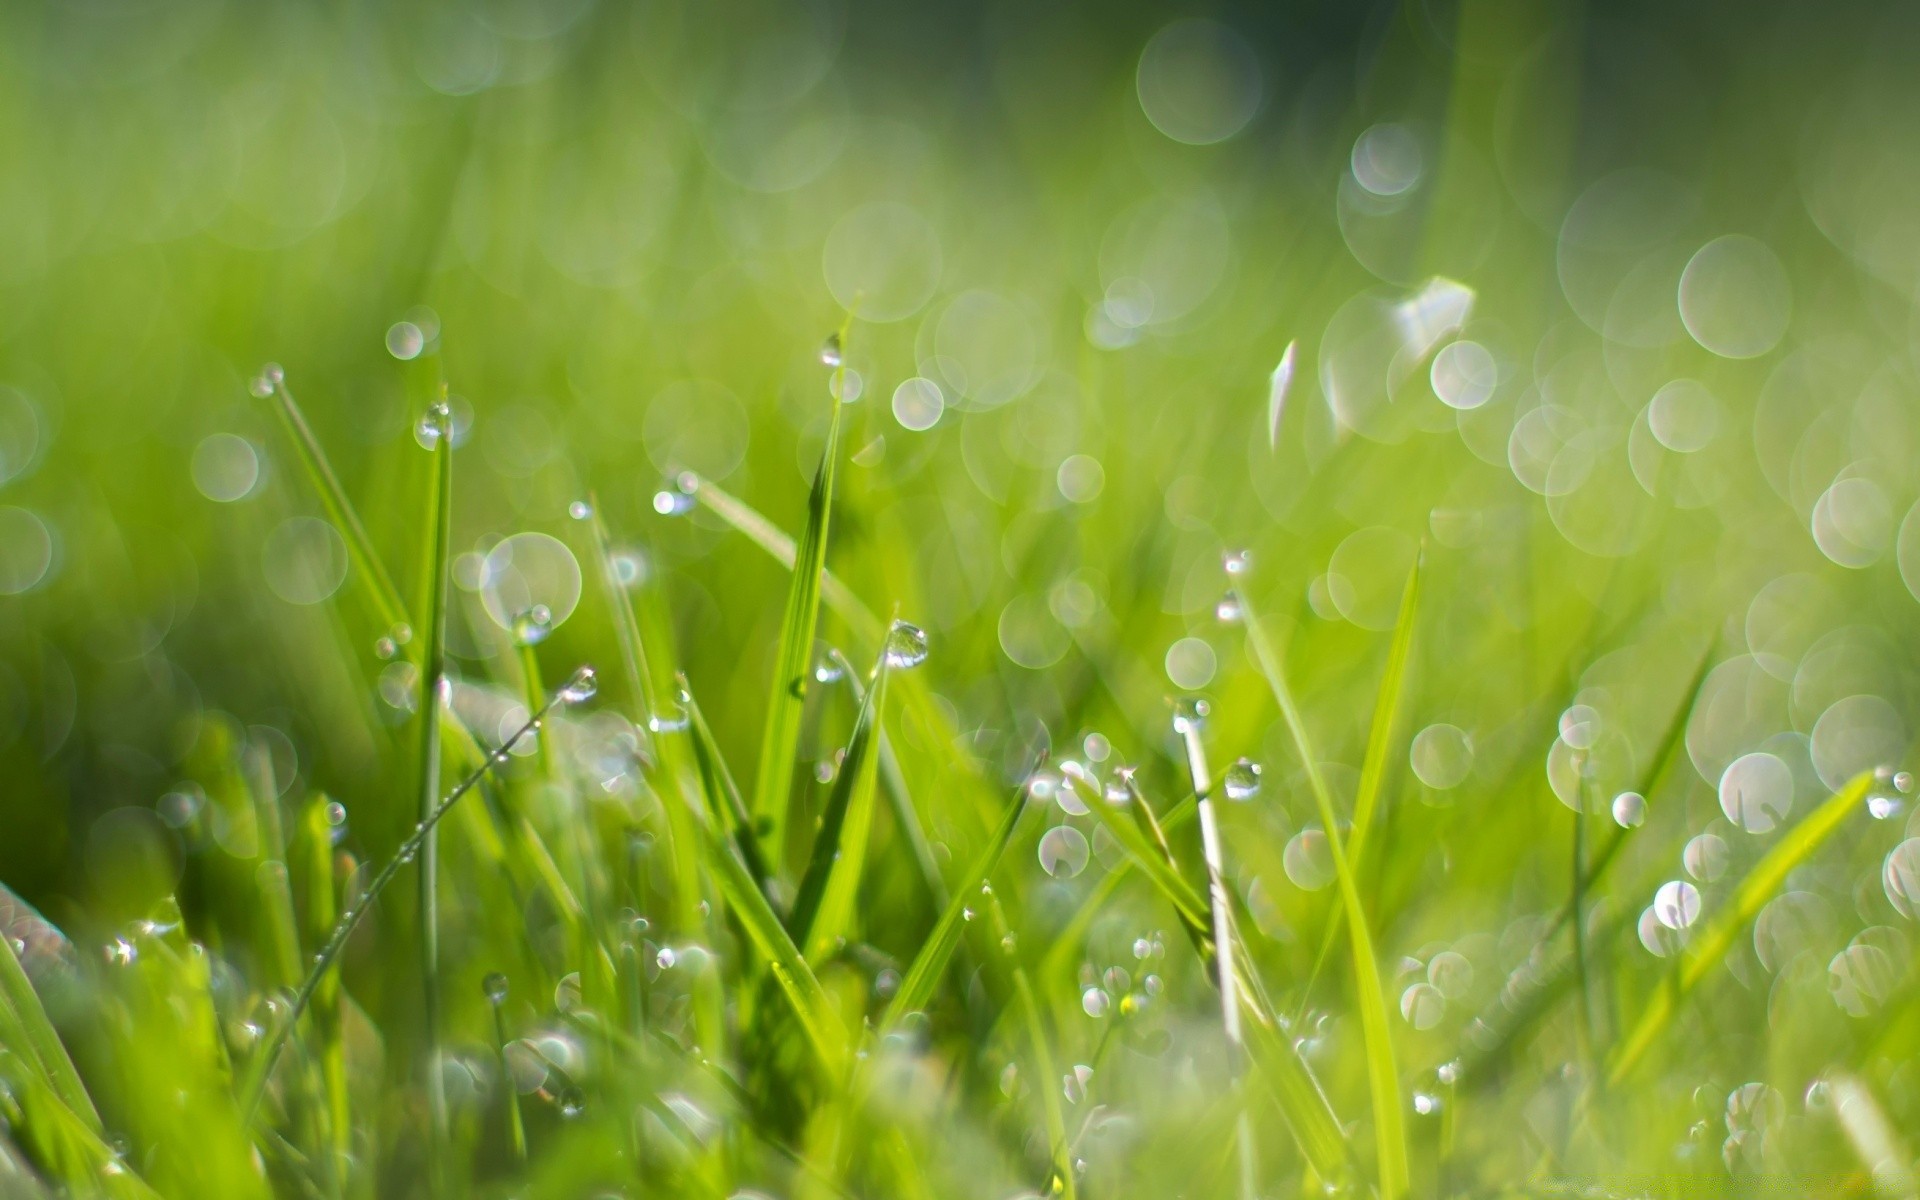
(823, 905)
(1725, 925)
(793, 658)
(930, 961)
(726, 807)
(1383, 1076)
(25, 1029)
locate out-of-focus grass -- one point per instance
(1603, 316)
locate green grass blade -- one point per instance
(823, 905)
(1725, 925)
(25, 1028)
(1383, 1076)
(333, 499)
(64, 1144)
(723, 797)
(930, 962)
(315, 849)
(793, 658)
(1386, 715)
(433, 637)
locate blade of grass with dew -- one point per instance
(930, 961)
(439, 516)
(260, 1067)
(1066, 947)
(315, 848)
(26, 1029)
(728, 810)
(823, 906)
(1223, 940)
(1383, 1076)
(793, 656)
(1761, 882)
(893, 785)
(65, 1145)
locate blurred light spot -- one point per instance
(1464, 375)
(1308, 859)
(528, 573)
(1441, 755)
(1756, 792)
(1368, 572)
(1030, 635)
(695, 425)
(1190, 663)
(1852, 522)
(883, 261)
(1683, 416)
(405, 340)
(225, 467)
(1856, 734)
(305, 560)
(1198, 82)
(19, 434)
(917, 403)
(987, 349)
(1387, 159)
(1081, 478)
(26, 550)
(1734, 297)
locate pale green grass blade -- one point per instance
(1383, 1076)
(823, 906)
(315, 848)
(1725, 925)
(432, 637)
(793, 657)
(25, 1029)
(1386, 716)
(930, 961)
(388, 607)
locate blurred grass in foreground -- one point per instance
(1602, 315)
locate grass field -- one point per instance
(828, 599)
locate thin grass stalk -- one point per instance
(439, 420)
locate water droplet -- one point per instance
(1706, 857)
(1423, 1005)
(405, 340)
(673, 720)
(384, 648)
(1074, 1083)
(1903, 782)
(830, 351)
(1236, 562)
(1142, 947)
(566, 993)
(1425, 1103)
(1677, 904)
(1229, 611)
(666, 958)
(1009, 942)
(828, 670)
(494, 987)
(906, 646)
(1629, 810)
(1242, 779)
(581, 687)
(336, 814)
(1580, 727)
(1095, 1002)
(1441, 756)
(532, 626)
(571, 1101)
(579, 510)
(268, 381)
(1448, 1072)
(435, 424)
(1190, 714)
(1064, 851)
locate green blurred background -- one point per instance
(1609, 306)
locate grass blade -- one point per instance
(25, 1029)
(780, 741)
(930, 962)
(1748, 899)
(432, 667)
(1383, 1077)
(723, 796)
(823, 906)
(315, 845)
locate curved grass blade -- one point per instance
(26, 1029)
(1746, 902)
(1383, 1076)
(780, 740)
(723, 796)
(261, 1066)
(823, 906)
(916, 987)
(61, 1142)
(315, 845)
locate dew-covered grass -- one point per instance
(842, 600)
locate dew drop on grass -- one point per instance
(666, 959)
(1423, 1005)
(1074, 1084)
(830, 351)
(1756, 792)
(581, 687)
(1677, 904)
(532, 626)
(1425, 1103)
(1095, 1002)
(1190, 714)
(566, 993)
(827, 669)
(672, 504)
(1236, 562)
(1064, 852)
(671, 720)
(1629, 810)
(1903, 782)
(1452, 973)
(1580, 727)
(906, 646)
(1242, 780)
(268, 381)
(435, 424)
(1861, 977)
(494, 987)
(384, 648)
(580, 510)
(571, 1101)
(1229, 610)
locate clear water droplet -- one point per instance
(666, 959)
(1903, 782)
(1425, 1103)
(579, 510)
(1229, 610)
(1190, 714)
(1095, 1002)
(531, 627)
(828, 670)
(581, 687)
(672, 720)
(268, 381)
(672, 504)
(384, 648)
(572, 1102)
(1009, 942)
(1236, 562)
(494, 987)
(1242, 779)
(435, 424)
(906, 646)
(1629, 810)
(1074, 1083)
(336, 813)
(830, 351)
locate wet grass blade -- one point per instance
(1383, 1076)
(333, 500)
(26, 1030)
(930, 961)
(433, 637)
(823, 905)
(1725, 925)
(793, 657)
(315, 849)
